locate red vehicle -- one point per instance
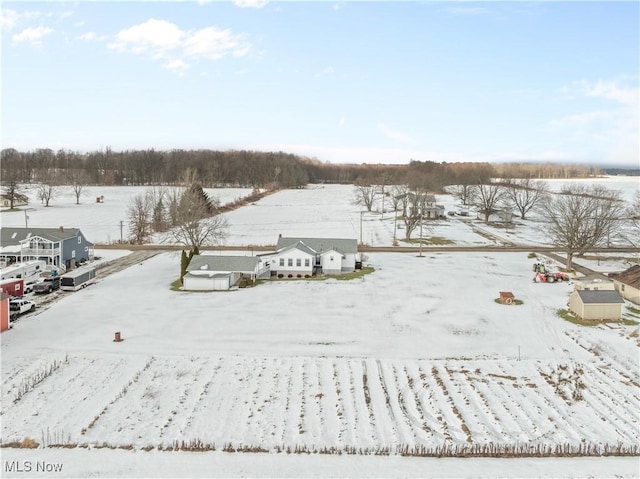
(542, 275)
(12, 286)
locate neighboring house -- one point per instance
(299, 257)
(62, 247)
(596, 305)
(425, 202)
(18, 200)
(4, 312)
(220, 273)
(593, 284)
(627, 284)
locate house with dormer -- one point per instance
(304, 257)
(62, 247)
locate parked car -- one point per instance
(451, 213)
(48, 285)
(20, 306)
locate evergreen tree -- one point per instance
(184, 262)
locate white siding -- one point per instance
(294, 262)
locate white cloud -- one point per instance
(393, 134)
(342, 121)
(157, 36)
(214, 43)
(250, 3)
(176, 65)
(10, 18)
(165, 40)
(87, 36)
(33, 36)
(614, 128)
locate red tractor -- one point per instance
(543, 275)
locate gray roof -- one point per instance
(13, 236)
(223, 263)
(599, 296)
(318, 245)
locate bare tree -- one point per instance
(47, 186)
(633, 213)
(487, 197)
(414, 212)
(139, 215)
(400, 197)
(464, 193)
(78, 179)
(525, 194)
(581, 218)
(364, 195)
(197, 224)
(11, 186)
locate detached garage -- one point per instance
(596, 305)
(221, 273)
(210, 281)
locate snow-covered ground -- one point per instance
(415, 354)
(318, 210)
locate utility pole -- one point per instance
(361, 226)
(26, 219)
(420, 236)
(121, 223)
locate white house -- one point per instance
(627, 283)
(220, 273)
(300, 257)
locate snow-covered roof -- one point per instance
(223, 263)
(13, 235)
(318, 245)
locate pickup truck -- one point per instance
(20, 306)
(47, 285)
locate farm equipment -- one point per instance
(543, 275)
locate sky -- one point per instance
(342, 82)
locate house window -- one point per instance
(281, 261)
(330, 258)
(289, 261)
(306, 262)
(298, 261)
(79, 239)
(622, 287)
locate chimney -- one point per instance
(61, 229)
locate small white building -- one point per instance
(593, 284)
(597, 305)
(302, 257)
(220, 273)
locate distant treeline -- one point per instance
(255, 169)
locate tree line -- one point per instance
(247, 168)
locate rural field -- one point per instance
(372, 376)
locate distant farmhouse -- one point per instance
(62, 247)
(18, 200)
(426, 203)
(221, 273)
(627, 284)
(301, 257)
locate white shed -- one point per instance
(596, 305)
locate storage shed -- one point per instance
(596, 305)
(210, 281)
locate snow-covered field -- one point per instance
(319, 210)
(416, 354)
